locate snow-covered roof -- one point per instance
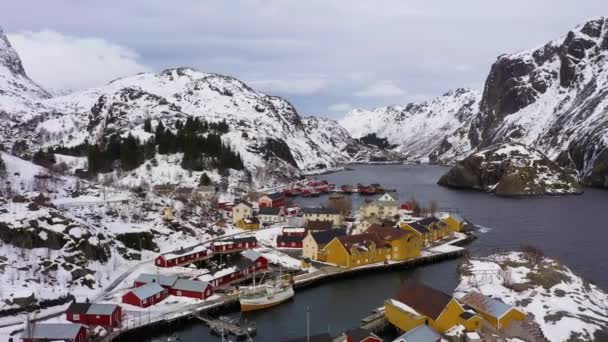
(486, 304)
(186, 251)
(147, 290)
(101, 309)
(422, 333)
(251, 255)
(52, 331)
(190, 285)
(163, 280)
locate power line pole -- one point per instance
(307, 323)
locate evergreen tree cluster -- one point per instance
(44, 159)
(198, 140)
(2, 168)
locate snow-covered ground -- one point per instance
(563, 304)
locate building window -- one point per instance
(157, 295)
(76, 317)
(179, 293)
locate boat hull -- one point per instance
(265, 303)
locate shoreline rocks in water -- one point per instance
(511, 169)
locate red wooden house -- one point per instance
(274, 200)
(234, 245)
(248, 264)
(145, 296)
(294, 231)
(109, 315)
(55, 332)
(361, 335)
(148, 278)
(192, 289)
(405, 206)
(183, 256)
(285, 241)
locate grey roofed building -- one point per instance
(52, 331)
(422, 333)
(321, 210)
(486, 304)
(319, 225)
(147, 290)
(251, 255)
(101, 309)
(323, 237)
(269, 211)
(190, 285)
(275, 195)
(78, 308)
(418, 227)
(163, 280)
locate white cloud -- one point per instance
(60, 62)
(384, 88)
(297, 85)
(340, 107)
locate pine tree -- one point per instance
(148, 125)
(205, 180)
(2, 168)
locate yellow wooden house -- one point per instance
(355, 250)
(496, 312)
(455, 222)
(248, 223)
(417, 304)
(404, 245)
(423, 234)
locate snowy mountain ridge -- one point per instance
(274, 142)
(553, 98)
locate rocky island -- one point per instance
(511, 170)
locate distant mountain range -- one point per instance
(553, 98)
(273, 140)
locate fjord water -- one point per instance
(570, 228)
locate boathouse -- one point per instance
(496, 312)
(248, 263)
(455, 222)
(234, 245)
(248, 223)
(403, 244)
(323, 214)
(355, 250)
(191, 288)
(148, 278)
(315, 241)
(289, 241)
(183, 256)
(416, 304)
(109, 315)
(55, 332)
(274, 200)
(422, 333)
(145, 296)
(424, 234)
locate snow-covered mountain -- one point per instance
(553, 98)
(274, 142)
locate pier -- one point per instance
(224, 326)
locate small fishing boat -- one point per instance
(267, 294)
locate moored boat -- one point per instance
(266, 295)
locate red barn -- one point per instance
(244, 268)
(286, 241)
(55, 332)
(146, 295)
(234, 245)
(147, 278)
(183, 256)
(192, 289)
(274, 200)
(109, 315)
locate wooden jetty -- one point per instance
(225, 327)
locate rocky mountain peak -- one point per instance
(8, 57)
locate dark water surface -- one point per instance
(571, 229)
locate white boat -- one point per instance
(266, 295)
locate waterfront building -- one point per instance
(424, 234)
(108, 315)
(244, 267)
(403, 244)
(248, 223)
(355, 250)
(148, 278)
(316, 240)
(417, 304)
(365, 224)
(270, 215)
(191, 288)
(183, 256)
(274, 200)
(234, 245)
(241, 210)
(454, 222)
(145, 296)
(422, 333)
(437, 227)
(44, 332)
(383, 207)
(358, 335)
(496, 312)
(289, 241)
(323, 214)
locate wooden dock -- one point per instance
(225, 327)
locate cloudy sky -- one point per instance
(325, 56)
